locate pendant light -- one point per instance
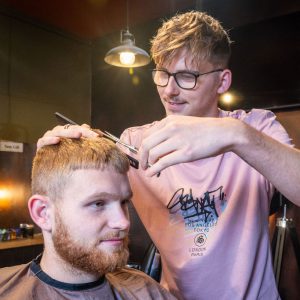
(127, 55)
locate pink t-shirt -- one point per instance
(209, 220)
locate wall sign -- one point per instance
(7, 146)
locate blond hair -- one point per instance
(200, 34)
(53, 164)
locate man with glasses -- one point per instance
(207, 213)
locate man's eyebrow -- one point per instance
(106, 195)
(180, 70)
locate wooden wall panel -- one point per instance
(42, 71)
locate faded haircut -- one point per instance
(202, 36)
(53, 164)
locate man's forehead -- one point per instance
(185, 59)
(101, 170)
(107, 179)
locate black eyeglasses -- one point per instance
(184, 79)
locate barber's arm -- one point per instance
(178, 139)
(279, 163)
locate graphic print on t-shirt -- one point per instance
(200, 214)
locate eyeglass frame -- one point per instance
(196, 75)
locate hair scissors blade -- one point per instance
(132, 148)
(117, 140)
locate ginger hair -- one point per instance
(199, 34)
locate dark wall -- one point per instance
(266, 62)
(41, 71)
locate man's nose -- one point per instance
(118, 218)
(172, 87)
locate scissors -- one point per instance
(132, 161)
(130, 147)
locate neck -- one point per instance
(211, 113)
(55, 267)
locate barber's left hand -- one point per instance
(178, 139)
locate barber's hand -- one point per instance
(179, 139)
(68, 131)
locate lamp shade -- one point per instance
(127, 55)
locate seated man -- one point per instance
(80, 194)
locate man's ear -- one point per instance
(40, 211)
(225, 81)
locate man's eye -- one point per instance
(98, 204)
(186, 76)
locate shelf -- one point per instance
(36, 240)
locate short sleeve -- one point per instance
(265, 121)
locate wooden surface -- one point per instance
(37, 240)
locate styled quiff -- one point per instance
(53, 164)
(199, 34)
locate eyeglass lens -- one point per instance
(185, 80)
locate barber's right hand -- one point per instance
(68, 131)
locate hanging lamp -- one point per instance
(127, 55)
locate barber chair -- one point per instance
(143, 254)
(286, 247)
(151, 264)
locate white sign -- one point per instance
(8, 146)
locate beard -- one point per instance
(89, 259)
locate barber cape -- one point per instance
(28, 281)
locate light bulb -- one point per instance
(127, 58)
(4, 193)
(227, 98)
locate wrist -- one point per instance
(241, 134)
